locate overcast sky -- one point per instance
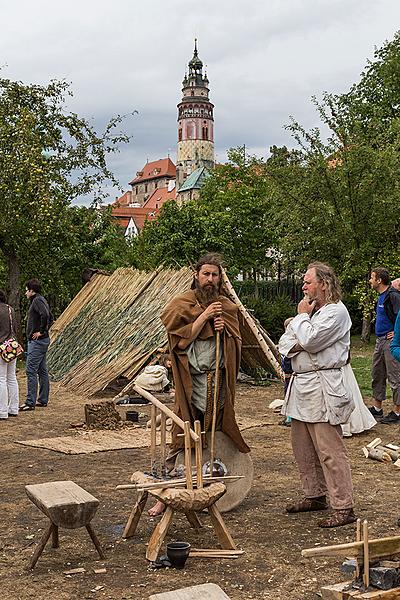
(265, 59)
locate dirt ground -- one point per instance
(272, 566)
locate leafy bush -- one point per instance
(271, 313)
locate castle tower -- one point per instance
(195, 122)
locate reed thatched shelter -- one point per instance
(112, 329)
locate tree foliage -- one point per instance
(48, 157)
(232, 216)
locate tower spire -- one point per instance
(195, 122)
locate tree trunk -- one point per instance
(14, 296)
(254, 273)
(366, 329)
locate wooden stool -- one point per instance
(67, 505)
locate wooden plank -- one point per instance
(64, 502)
(378, 548)
(205, 591)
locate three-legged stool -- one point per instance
(67, 505)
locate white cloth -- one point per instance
(317, 392)
(153, 378)
(9, 394)
(361, 418)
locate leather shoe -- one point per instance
(308, 505)
(26, 407)
(338, 518)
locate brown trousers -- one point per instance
(323, 463)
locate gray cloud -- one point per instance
(264, 61)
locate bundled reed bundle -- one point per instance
(113, 327)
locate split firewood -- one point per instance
(392, 447)
(377, 454)
(374, 443)
(394, 454)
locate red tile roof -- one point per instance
(123, 214)
(164, 167)
(124, 200)
(158, 197)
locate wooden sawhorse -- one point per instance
(67, 505)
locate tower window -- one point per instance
(205, 133)
(192, 93)
(145, 188)
(180, 134)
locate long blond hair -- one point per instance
(325, 273)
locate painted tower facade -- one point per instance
(195, 122)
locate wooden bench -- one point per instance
(67, 505)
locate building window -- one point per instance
(145, 188)
(205, 133)
(155, 185)
(179, 134)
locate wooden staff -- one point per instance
(163, 443)
(358, 539)
(153, 439)
(188, 457)
(260, 339)
(366, 554)
(215, 400)
(198, 451)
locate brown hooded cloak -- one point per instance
(178, 317)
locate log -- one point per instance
(378, 454)
(259, 337)
(183, 500)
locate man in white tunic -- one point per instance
(318, 342)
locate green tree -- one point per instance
(339, 199)
(48, 157)
(232, 216)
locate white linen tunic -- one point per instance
(317, 392)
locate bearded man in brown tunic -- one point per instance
(192, 320)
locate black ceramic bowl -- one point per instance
(177, 553)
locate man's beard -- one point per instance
(206, 295)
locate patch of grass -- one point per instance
(361, 360)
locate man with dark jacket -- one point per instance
(384, 366)
(37, 333)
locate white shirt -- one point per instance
(317, 391)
